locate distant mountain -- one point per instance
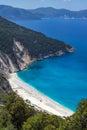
(20, 46)
(15, 13)
(39, 13)
(59, 13)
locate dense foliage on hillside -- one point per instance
(17, 115)
(19, 46)
(37, 44)
(79, 120)
(21, 116)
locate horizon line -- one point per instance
(40, 7)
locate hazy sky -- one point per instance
(28, 4)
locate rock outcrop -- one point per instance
(20, 46)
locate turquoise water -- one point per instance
(64, 79)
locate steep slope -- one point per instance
(4, 85)
(5, 88)
(20, 46)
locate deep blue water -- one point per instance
(64, 78)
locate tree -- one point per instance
(50, 127)
(43, 121)
(34, 123)
(5, 120)
(79, 120)
(18, 109)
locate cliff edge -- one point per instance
(20, 46)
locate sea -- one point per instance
(64, 78)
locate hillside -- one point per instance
(20, 46)
(39, 13)
(15, 13)
(5, 88)
(50, 12)
(17, 115)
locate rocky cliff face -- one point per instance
(20, 46)
(4, 86)
(21, 56)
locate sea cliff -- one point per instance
(20, 46)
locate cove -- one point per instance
(64, 79)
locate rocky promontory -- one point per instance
(20, 46)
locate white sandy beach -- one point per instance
(37, 99)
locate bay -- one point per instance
(64, 79)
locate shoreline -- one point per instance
(36, 98)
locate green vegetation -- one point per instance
(35, 45)
(21, 116)
(17, 115)
(44, 122)
(79, 120)
(38, 45)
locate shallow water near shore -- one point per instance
(64, 79)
